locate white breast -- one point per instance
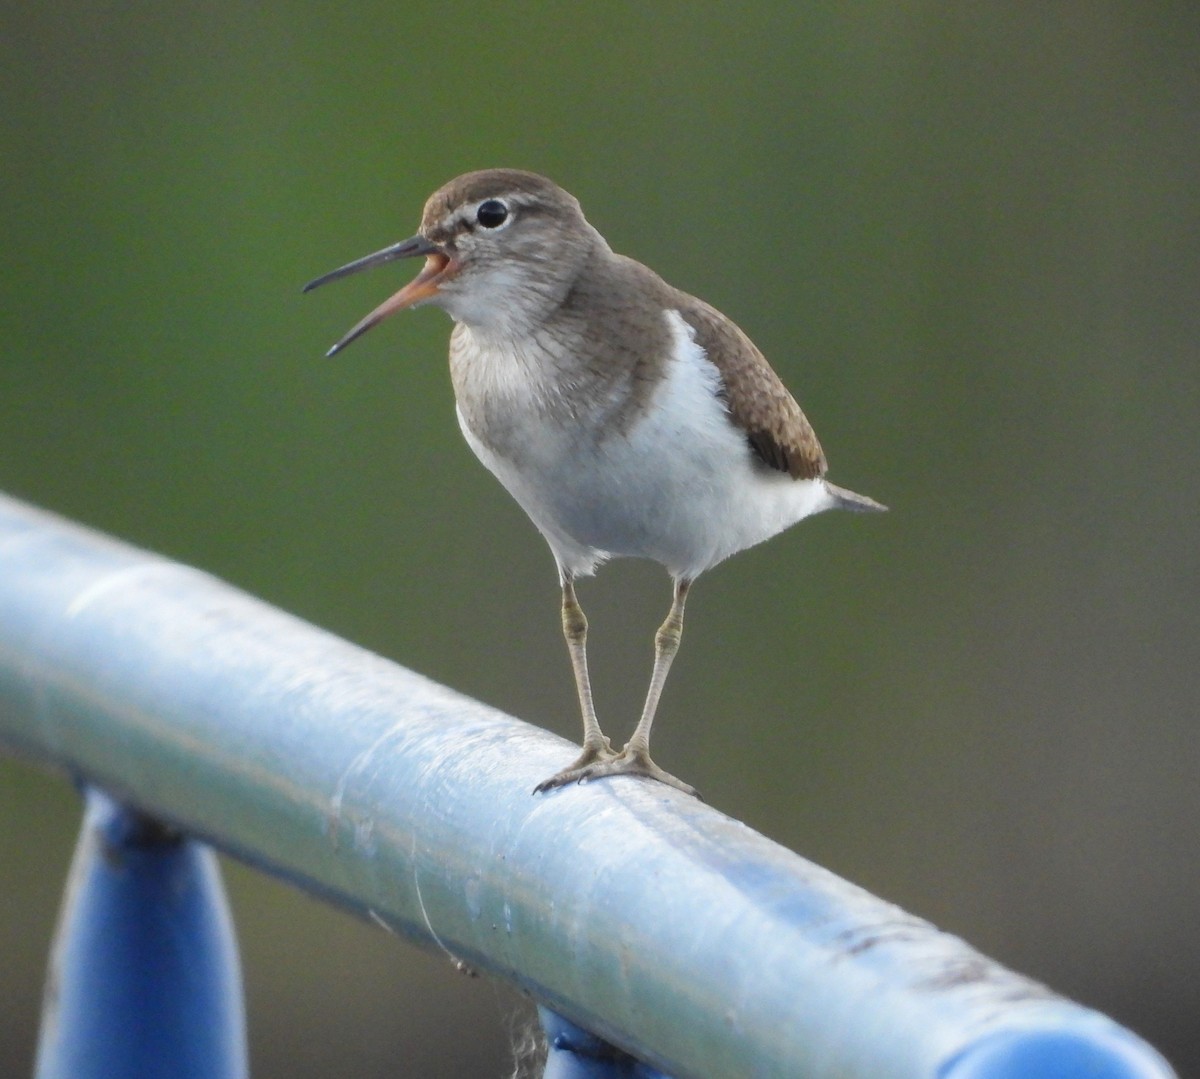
(680, 486)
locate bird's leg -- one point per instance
(575, 626)
(596, 746)
(666, 644)
(634, 759)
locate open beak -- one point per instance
(438, 266)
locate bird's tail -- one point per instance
(855, 503)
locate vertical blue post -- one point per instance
(574, 1053)
(144, 980)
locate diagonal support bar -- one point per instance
(643, 916)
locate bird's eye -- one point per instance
(491, 214)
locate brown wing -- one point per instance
(758, 401)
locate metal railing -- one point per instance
(638, 917)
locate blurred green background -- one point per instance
(967, 236)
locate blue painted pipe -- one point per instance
(642, 916)
(144, 980)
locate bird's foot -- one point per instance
(573, 773)
(629, 762)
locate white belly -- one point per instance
(680, 486)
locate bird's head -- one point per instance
(501, 247)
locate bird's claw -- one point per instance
(577, 770)
(626, 763)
